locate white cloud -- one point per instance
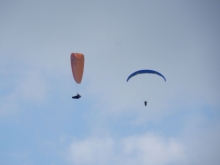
(92, 150)
(144, 149)
(8, 105)
(152, 149)
(201, 139)
(33, 87)
(196, 143)
(22, 85)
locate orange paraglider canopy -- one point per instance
(77, 64)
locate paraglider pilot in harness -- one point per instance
(145, 103)
(76, 97)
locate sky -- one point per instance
(41, 124)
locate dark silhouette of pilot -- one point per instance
(76, 97)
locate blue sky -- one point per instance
(41, 124)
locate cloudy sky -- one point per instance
(41, 124)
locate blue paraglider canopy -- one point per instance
(145, 71)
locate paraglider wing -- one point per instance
(77, 64)
(145, 71)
